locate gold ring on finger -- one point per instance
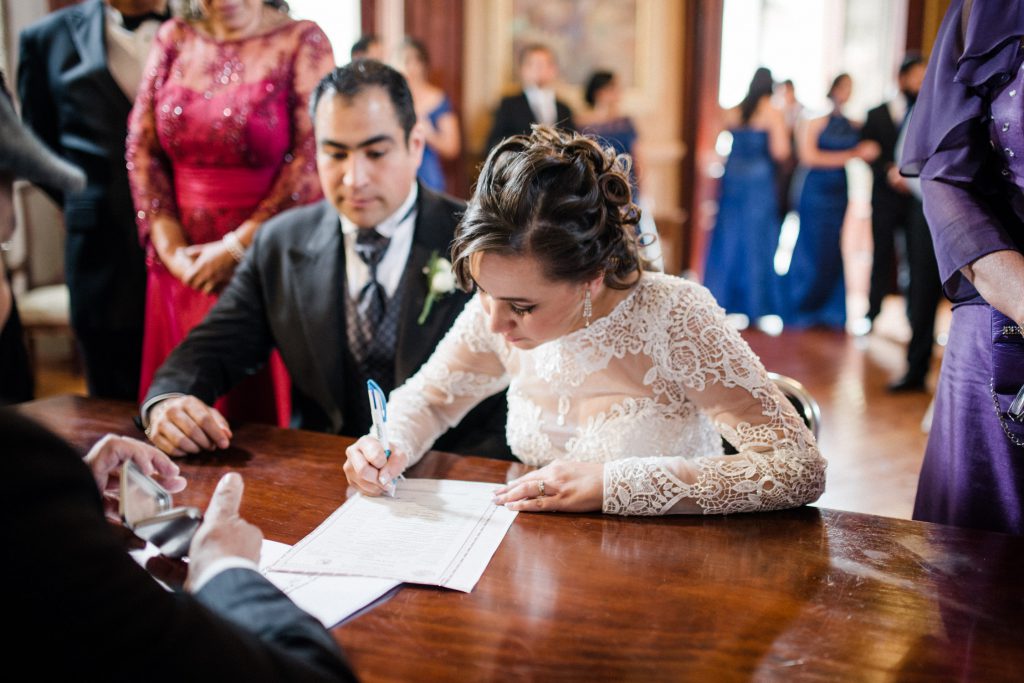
(540, 487)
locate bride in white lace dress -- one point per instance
(621, 383)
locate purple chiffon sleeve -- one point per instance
(963, 229)
(948, 142)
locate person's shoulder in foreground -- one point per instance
(84, 608)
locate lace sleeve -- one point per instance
(466, 368)
(777, 464)
(149, 171)
(297, 182)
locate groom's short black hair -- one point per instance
(350, 80)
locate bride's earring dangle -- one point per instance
(588, 308)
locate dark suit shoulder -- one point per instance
(294, 226)
(439, 215)
(38, 454)
(442, 202)
(56, 21)
(512, 100)
(879, 114)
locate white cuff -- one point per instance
(194, 585)
(148, 406)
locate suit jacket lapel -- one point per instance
(318, 268)
(528, 114)
(88, 32)
(429, 235)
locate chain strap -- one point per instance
(1015, 440)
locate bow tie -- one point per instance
(133, 22)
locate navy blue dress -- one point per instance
(814, 286)
(740, 268)
(430, 173)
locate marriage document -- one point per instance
(434, 531)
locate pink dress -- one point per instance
(221, 134)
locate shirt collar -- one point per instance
(389, 225)
(114, 16)
(534, 91)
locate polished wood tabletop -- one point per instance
(805, 594)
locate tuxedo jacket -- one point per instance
(287, 294)
(514, 117)
(880, 127)
(71, 101)
(83, 609)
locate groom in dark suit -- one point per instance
(78, 72)
(537, 103)
(338, 287)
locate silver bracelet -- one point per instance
(234, 246)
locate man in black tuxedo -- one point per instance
(83, 609)
(337, 287)
(538, 72)
(891, 206)
(78, 72)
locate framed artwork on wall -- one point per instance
(586, 35)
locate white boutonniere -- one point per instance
(440, 281)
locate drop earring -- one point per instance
(588, 308)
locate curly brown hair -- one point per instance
(557, 196)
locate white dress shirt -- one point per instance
(399, 228)
(542, 102)
(127, 51)
(898, 109)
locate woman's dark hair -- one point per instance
(558, 197)
(761, 85)
(835, 84)
(419, 48)
(598, 81)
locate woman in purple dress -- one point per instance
(966, 142)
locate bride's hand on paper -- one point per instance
(367, 468)
(558, 487)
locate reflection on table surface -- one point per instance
(800, 594)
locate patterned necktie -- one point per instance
(371, 245)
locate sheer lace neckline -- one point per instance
(210, 38)
(597, 326)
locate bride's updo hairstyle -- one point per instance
(558, 197)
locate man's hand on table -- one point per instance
(183, 424)
(112, 451)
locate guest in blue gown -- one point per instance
(814, 286)
(605, 122)
(740, 269)
(439, 121)
(965, 140)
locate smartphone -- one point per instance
(148, 510)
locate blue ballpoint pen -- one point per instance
(379, 413)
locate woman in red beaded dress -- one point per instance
(219, 141)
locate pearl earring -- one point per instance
(588, 308)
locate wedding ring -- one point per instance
(540, 486)
(149, 432)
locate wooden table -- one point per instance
(806, 594)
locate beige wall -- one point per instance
(17, 14)
(655, 101)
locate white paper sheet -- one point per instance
(436, 532)
(331, 599)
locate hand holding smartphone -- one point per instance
(147, 509)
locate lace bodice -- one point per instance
(649, 390)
